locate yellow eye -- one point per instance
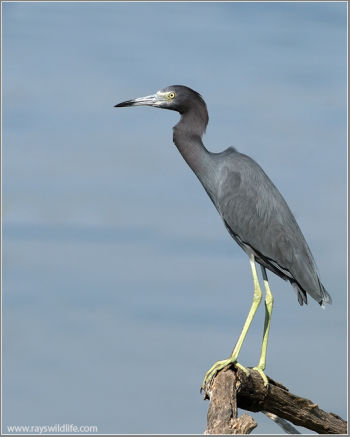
(171, 95)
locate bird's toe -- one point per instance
(212, 372)
(244, 369)
(262, 374)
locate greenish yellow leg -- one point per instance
(268, 312)
(233, 358)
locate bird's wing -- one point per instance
(258, 216)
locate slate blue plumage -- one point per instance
(252, 208)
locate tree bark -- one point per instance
(232, 388)
(222, 413)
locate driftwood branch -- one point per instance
(222, 413)
(232, 388)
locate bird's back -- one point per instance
(259, 219)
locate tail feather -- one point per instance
(326, 298)
(302, 295)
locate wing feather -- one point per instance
(255, 212)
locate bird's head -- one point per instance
(180, 98)
(175, 97)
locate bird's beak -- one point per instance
(140, 101)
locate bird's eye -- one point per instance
(171, 95)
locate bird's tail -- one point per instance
(326, 298)
(322, 297)
(301, 295)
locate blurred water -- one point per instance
(120, 284)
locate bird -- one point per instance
(252, 209)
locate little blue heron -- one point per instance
(253, 211)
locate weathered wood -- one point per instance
(222, 413)
(232, 387)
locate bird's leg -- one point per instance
(233, 358)
(268, 312)
(256, 302)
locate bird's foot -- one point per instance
(219, 365)
(262, 374)
(244, 369)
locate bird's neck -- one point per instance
(188, 139)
